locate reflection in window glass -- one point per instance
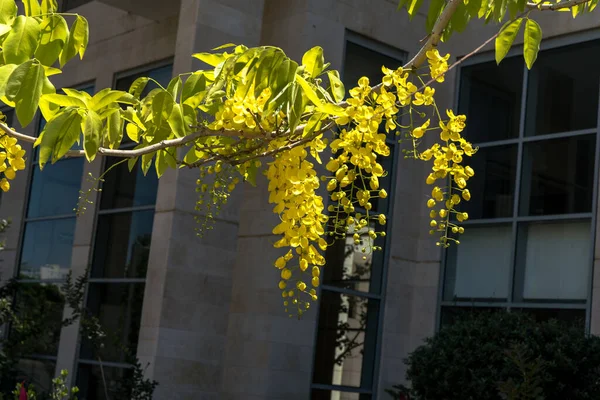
(123, 188)
(47, 247)
(493, 185)
(123, 245)
(560, 97)
(89, 381)
(40, 304)
(55, 190)
(556, 260)
(345, 344)
(350, 267)
(336, 395)
(479, 268)
(118, 306)
(490, 92)
(557, 176)
(361, 61)
(37, 372)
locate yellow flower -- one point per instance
(418, 132)
(425, 98)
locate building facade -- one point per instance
(205, 313)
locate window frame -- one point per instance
(516, 219)
(379, 297)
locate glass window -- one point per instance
(555, 260)
(118, 306)
(336, 395)
(345, 344)
(563, 90)
(123, 245)
(557, 176)
(124, 189)
(90, 382)
(494, 182)
(479, 267)
(539, 257)
(491, 93)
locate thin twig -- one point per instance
(557, 6)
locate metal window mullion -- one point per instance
(351, 292)
(341, 388)
(117, 280)
(498, 143)
(475, 304)
(517, 191)
(559, 135)
(50, 218)
(594, 222)
(51, 281)
(104, 363)
(126, 209)
(550, 305)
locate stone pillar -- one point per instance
(188, 287)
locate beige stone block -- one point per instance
(201, 318)
(192, 374)
(8, 261)
(191, 346)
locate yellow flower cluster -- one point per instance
(11, 160)
(438, 65)
(244, 113)
(293, 185)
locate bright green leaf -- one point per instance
(435, 8)
(314, 98)
(133, 132)
(21, 42)
(174, 87)
(296, 106)
(313, 61)
(506, 38)
(413, 7)
(224, 46)
(77, 42)
(210, 58)
(59, 135)
(64, 100)
(5, 72)
(337, 86)
(176, 121)
(138, 86)
(4, 29)
(114, 127)
(92, 134)
(48, 109)
(106, 97)
(49, 6)
(161, 162)
(193, 85)
(32, 8)
(532, 40)
(49, 71)
(54, 35)
(162, 105)
(8, 11)
(24, 87)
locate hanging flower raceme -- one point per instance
(11, 160)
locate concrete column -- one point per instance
(188, 287)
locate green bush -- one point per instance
(500, 355)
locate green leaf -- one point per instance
(114, 128)
(81, 95)
(48, 109)
(4, 29)
(313, 61)
(295, 107)
(77, 42)
(5, 72)
(49, 6)
(161, 164)
(506, 38)
(147, 162)
(32, 8)
(250, 174)
(131, 115)
(59, 135)
(314, 123)
(176, 121)
(64, 100)
(107, 96)
(131, 163)
(21, 42)
(54, 35)
(210, 58)
(8, 11)
(92, 134)
(174, 87)
(162, 105)
(532, 40)
(194, 84)
(225, 46)
(327, 108)
(24, 87)
(138, 86)
(435, 8)
(413, 7)
(337, 86)
(133, 132)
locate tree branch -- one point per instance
(558, 6)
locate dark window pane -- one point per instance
(490, 96)
(361, 61)
(563, 90)
(10, 115)
(70, 4)
(347, 334)
(40, 308)
(574, 317)
(91, 386)
(55, 190)
(318, 394)
(553, 261)
(479, 267)
(123, 245)
(37, 372)
(118, 306)
(493, 186)
(47, 247)
(162, 75)
(123, 188)
(558, 176)
(349, 267)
